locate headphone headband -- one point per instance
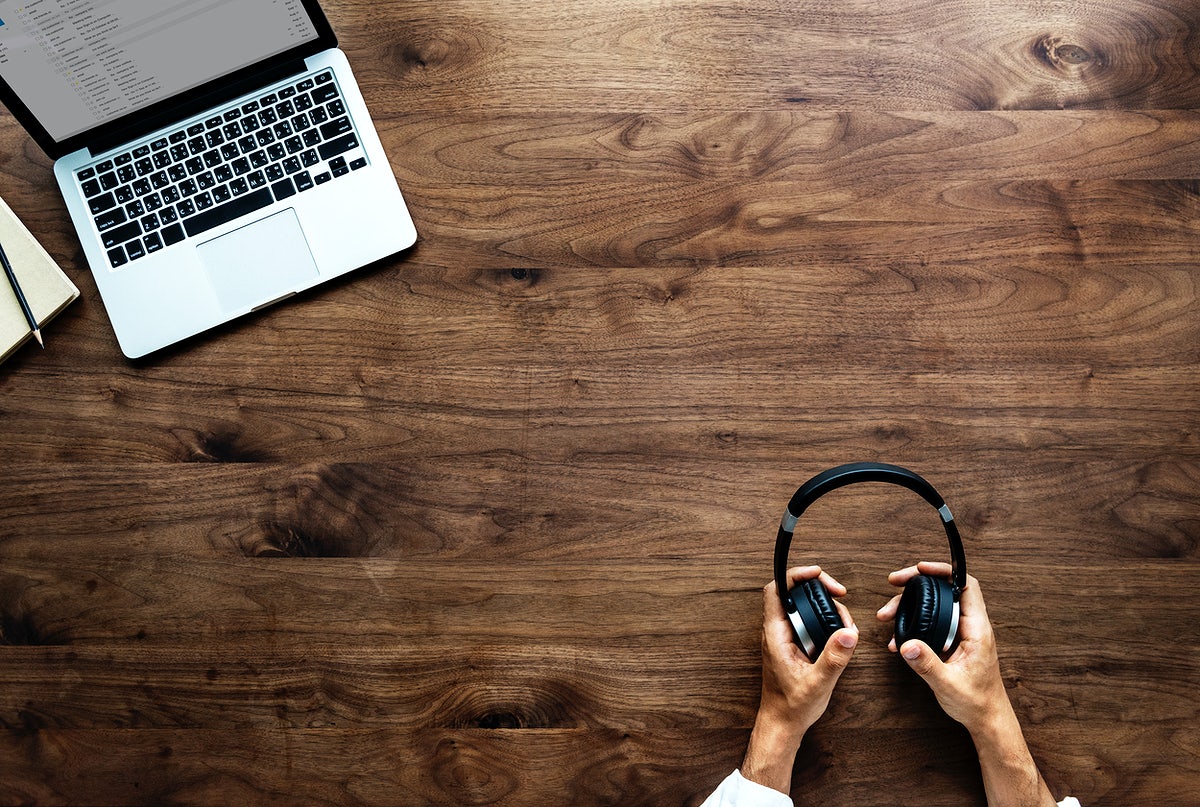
(850, 474)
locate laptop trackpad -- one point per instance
(258, 263)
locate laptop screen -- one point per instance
(77, 64)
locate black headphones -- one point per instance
(929, 606)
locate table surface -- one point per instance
(487, 522)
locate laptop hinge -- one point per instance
(142, 124)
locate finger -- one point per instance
(932, 568)
(844, 613)
(800, 574)
(924, 662)
(888, 612)
(837, 654)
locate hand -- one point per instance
(795, 691)
(968, 685)
(970, 689)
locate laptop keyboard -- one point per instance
(234, 162)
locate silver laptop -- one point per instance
(215, 156)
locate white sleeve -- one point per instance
(1069, 801)
(737, 791)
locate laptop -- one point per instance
(216, 156)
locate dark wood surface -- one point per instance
(487, 523)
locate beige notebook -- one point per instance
(47, 289)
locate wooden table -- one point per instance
(487, 523)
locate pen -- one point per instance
(16, 287)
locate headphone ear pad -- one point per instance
(927, 612)
(815, 608)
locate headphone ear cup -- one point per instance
(818, 616)
(927, 612)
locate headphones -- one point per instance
(929, 607)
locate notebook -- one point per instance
(215, 156)
(46, 288)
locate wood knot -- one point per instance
(1063, 56)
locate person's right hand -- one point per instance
(968, 685)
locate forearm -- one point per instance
(771, 754)
(1010, 776)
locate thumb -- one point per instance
(838, 651)
(923, 660)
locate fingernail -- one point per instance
(848, 639)
(911, 652)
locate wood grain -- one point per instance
(488, 522)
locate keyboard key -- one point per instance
(213, 122)
(141, 187)
(101, 203)
(229, 211)
(336, 108)
(361, 162)
(303, 181)
(135, 209)
(197, 145)
(120, 235)
(310, 158)
(291, 165)
(274, 172)
(268, 100)
(124, 194)
(258, 159)
(249, 107)
(339, 146)
(221, 193)
(126, 173)
(256, 179)
(162, 159)
(195, 129)
(322, 94)
(276, 152)
(149, 223)
(322, 177)
(178, 137)
(171, 195)
(232, 114)
(110, 218)
(287, 92)
(116, 257)
(167, 216)
(107, 165)
(336, 127)
(123, 159)
(283, 189)
(86, 173)
(153, 243)
(135, 250)
(153, 202)
(159, 180)
(239, 186)
(141, 151)
(205, 181)
(185, 208)
(305, 85)
(179, 152)
(324, 77)
(159, 144)
(172, 234)
(143, 166)
(204, 201)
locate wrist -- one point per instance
(997, 731)
(771, 753)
